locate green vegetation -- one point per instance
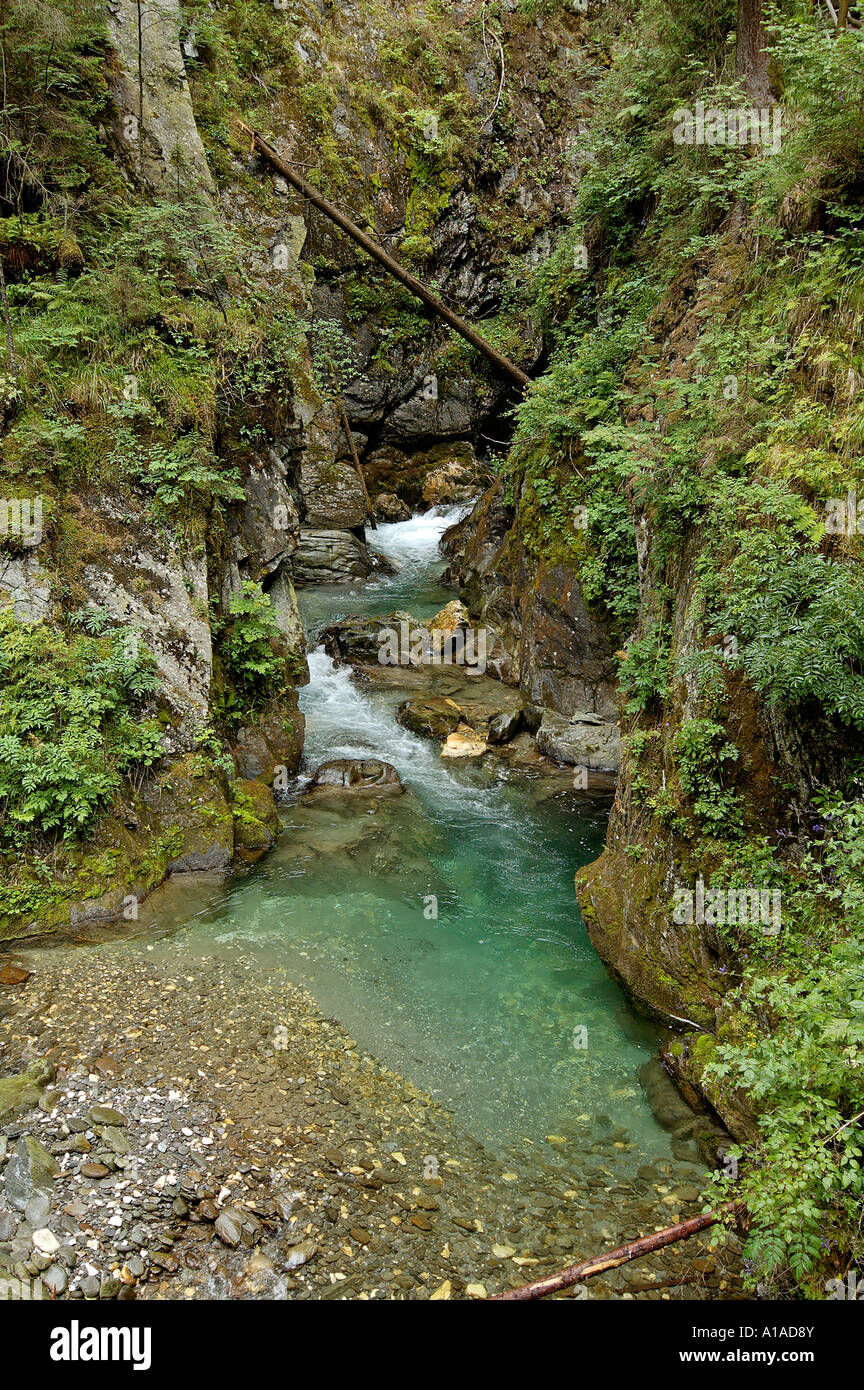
(803, 1180)
(69, 729)
(706, 381)
(254, 645)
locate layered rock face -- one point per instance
(543, 636)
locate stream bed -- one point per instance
(496, 1066)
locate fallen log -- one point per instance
(417, 288)
(601, 1264)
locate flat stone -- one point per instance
(687, 1192)
(229, 1227)
(104, 1115)
(94, 1170)
(113, 1138)
(14, 975)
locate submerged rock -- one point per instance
(14, 975)
(583, 740)
(16, 1092)
(30, 1170)
(369, 776)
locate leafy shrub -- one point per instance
(255, 646)
(802, 1180)
(701, 751)
(644, 674)
(69, 726)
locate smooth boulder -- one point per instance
(366, 776)
(583, 740)
(433, 717)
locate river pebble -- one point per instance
(210, 1134)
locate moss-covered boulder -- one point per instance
(432, 717)
(179, 821)
(668, 968)
(687, 1059)
(256, 819)
(24, 1090)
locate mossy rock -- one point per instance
(179, 822)
(432, 717)
(687, 1059)
(193, 800)
(253, 798)
(256, 819)
(24, 1090)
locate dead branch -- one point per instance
(349, 435)
(503, 69)
(601, 1264)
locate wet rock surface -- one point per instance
(388, 507)
(541, 634)
(209, 1134)
(582, 739)
(363, 776)
(329, 556)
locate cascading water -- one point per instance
(442, 928)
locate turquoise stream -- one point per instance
(478, 1006)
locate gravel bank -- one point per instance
(209, 1134)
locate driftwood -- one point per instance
(417, 288)
(601, 1264)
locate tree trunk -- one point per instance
(751, 51)
(503, 365)
(843, 13)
